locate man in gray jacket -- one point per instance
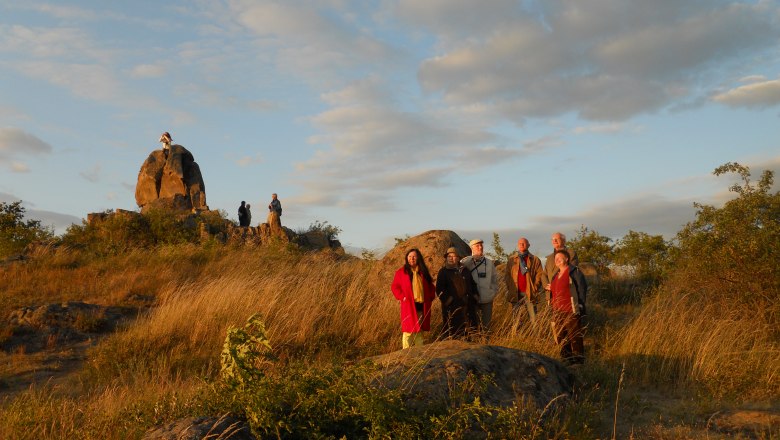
(484, 273)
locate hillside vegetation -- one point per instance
(669, 347)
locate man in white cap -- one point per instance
(484, 273)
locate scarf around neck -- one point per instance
(523, 266)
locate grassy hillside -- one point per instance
(664, 360)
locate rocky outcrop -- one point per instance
(432, 244)
(36, 327)
(427, 374)
(171, 181)
(197, 428)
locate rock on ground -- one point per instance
(428, 373)
(202, 428)
(173, 181)
(432, 245)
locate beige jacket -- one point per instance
(534, 277)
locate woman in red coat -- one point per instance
(413, 288)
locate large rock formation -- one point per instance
(173, 181)
(427, 374)
(432, 244)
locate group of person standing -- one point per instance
(245, 212)
(467, 286)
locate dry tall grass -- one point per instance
(683, 339)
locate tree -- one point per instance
(592, 247)
(733, 250)
(498, 254)
(15, 232)
(647, 254)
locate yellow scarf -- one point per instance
(417, 285)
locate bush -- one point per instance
(731, 252)
(346, 401)
(647, 254)
(15, 232)
(592, 247)
(122, 232)
(713, 321)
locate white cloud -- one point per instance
(14, 142)
(64, 12)
(376, 148)
(19, 167)
(319, 41)
(89, 81)
(599, 128)
(250, 160)
(604, 60)
(148, 71)
(92, 174)
(65, 43)
(757, 94)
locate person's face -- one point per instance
(452, 259)
(273, 196)
(522, 245)
(476, 250)
(561, 261)
(411, 258)
(557, 241)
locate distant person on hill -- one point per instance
(248, 215)
(568, 289)
(242, 214)
(166, 140)
(275, 205)
(413, 288)
(483, 271)
(455, 288)
(559, 244)
(523, 278)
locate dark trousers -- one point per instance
(453, 321)
(569, 333)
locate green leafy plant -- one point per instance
(244, 354)
(592, 247)
(647, 254)
(16, 232)
(498, 254)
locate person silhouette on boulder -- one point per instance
(242, 215)
(166, 140)
(275, 205)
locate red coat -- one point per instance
(402, 289)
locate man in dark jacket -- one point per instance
(275, 205)
(456, 289)
(242, 215)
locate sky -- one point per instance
(389, 118)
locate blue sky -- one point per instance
(393, 117)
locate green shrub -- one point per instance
(347, 401)
(15, 232)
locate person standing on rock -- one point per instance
(166, 140)
(568, 289)
(275, 205)
(454, 287)
(248, 215)
(558, 241)
(483, 271)
(523, 278)
(242, 215)
(413, 288)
